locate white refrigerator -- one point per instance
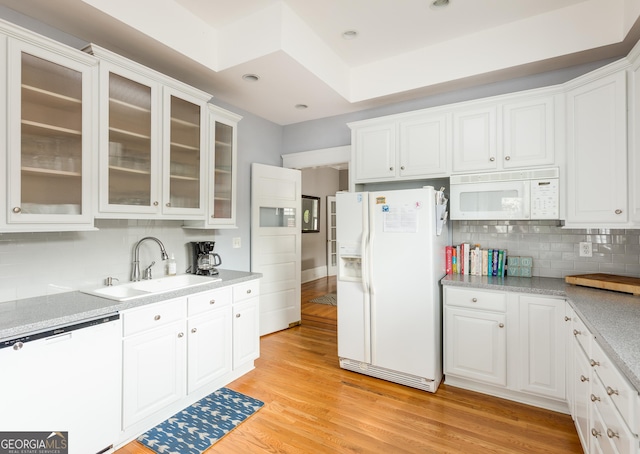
(390, 261)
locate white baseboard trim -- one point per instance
(313, 274)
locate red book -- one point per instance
(449, 257)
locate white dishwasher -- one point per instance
(67, 379)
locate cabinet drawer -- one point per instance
(152, 316)
(622, 394)
(582, 335)
(247, 290)
(205, 301)
(475, 299)
(612, 432)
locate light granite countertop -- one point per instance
(612, 317)
(32, 315)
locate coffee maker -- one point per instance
(204, 260)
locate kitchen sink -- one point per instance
(132, 290)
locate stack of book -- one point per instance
(470, 259)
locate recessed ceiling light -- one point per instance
(350, 34)
(301, 106)
(439, 3)
(250, 78)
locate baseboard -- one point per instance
(313, 274)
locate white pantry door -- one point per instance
(332, 253)
(276, 243)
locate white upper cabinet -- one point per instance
(474, 139)
(634, 137)
(153, 138)
(597, 149)
(50, 123)
(400, 147)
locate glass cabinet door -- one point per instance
(223, 176)
(183, 187)
(131, 181)
(47, 113)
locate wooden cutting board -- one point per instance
(607, 282)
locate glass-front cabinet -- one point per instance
(153, 133)
(50, 124)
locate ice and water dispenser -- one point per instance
(349, 263)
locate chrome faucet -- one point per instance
(135, 275)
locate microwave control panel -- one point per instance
(545, 198)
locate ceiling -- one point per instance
(404, 49)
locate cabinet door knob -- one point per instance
(567, 318)
(618, 211)
(611, 391)
(594, 398)
(595, 433)
(612, 434)
(501, 325)
(17, 210)
(180, 334)
(168, 204)
(391, 168)
(155, 204)
(237, 315)
(474, 300)
(156, 318)
(248, 291)
(583, 378)
(594, 363)
(401, 167)
(576, 332)
(212, 302)
(492, 159)
(507, 158)
(18, 346)
(194, 330)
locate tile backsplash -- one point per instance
(36, 264)
(555, 249)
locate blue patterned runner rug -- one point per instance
(196, 428)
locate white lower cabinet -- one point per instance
(175, 352)
(506, 344)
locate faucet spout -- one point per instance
(135, 274)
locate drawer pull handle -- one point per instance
(611, 391)
(612, 434)
(618, 211)
(595, 398)
(18, 346)
(595, 433)
(180, 334)
(583, 378)
(567, 318)
(248, 291)
(576, 332)
(156, 318)
(474, 300)
(194, 330)
(237, 315)
(501, 325)
(391, 168)
(492, 159)
(507, 158)
(594, 363)
(212, 302)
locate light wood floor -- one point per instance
(313, 406)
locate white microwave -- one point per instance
(519, 195)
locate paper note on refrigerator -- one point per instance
(400, 219)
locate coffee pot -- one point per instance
(205, 260)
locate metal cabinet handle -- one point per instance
(180, 334)
(501, 325)
(594, 363)
(595, 433)
(492, 159)
(567, 318)
(474, 300)
(155, 204)
(507, 158)
(612, 434)
(18, 346)
(248, 291)
(156, 318)
(618, 211)
(194, 330)
(237, 315)
(401, 167)
(576, 332)
(390, 168)
(611, 391)
(168, 204)
(595, 398)
(212, 302)
(583, 378)
(17, 210)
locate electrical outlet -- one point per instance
(236, 242)
(585, 249)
